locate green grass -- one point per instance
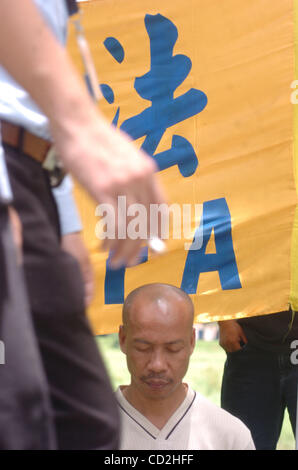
(204, 375)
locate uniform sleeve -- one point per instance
(70, 221)
(5, 189)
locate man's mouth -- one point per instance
(156, 383)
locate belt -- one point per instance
(24, 141)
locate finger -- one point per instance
(128, 244)
(88, 275)
(241, 333)
(89, 292)
(147, 194)
(243, 338)
(232, 346)
(139, 200)
(157, 205)
(108, 233)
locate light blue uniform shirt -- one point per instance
(17, 106)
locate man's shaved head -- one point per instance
(156, 293)
(158, 339)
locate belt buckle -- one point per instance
(54, 167)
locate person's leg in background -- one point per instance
(296, 434)
(251, 391)
(289, 387)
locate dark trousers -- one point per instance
(257, 387)
(84, 408)
(25, 413)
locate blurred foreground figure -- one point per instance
(63, 395)
(159, 411)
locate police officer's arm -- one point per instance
(101, 158)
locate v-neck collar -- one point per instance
(149, 427)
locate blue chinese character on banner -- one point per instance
(158, 86)
(167, 72)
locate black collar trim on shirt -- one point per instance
(151, 435)
(173, 429)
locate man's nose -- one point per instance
(157, 362)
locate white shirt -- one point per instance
(17, 106)
(197, 424)
(5, 189)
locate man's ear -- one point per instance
(193, 340)
(122, 338)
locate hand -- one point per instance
(73, 244)
(231, 335)
(17, 233)
(106, 162)
(101, 157)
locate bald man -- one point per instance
(158, 410)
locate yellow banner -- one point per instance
(205, 88)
